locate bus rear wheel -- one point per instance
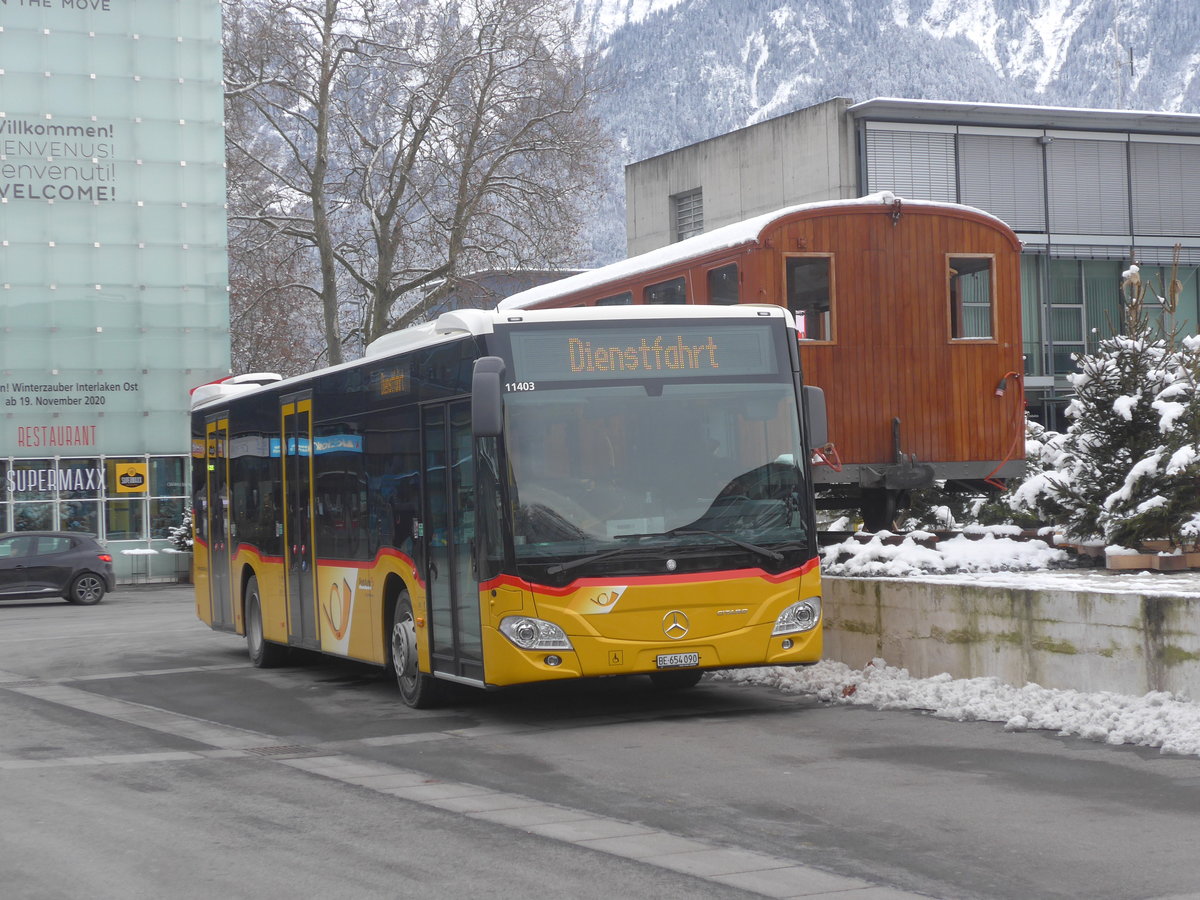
(418, 690)
(263, 653)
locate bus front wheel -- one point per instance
(263, 653)
(418, 690)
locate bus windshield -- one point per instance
(714, 466)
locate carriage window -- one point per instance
(624, 299)
(673, 291)
(723, 285)
(970, 280)
(810, 296)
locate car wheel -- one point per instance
(676, 681)
(263, 653)
(418, 690)
(86, 589)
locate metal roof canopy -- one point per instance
(1013, 116)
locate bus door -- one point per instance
(449, 526)
(216, 513)
(299, 557)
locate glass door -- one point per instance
(449, 514)
(298, 553)
(216, 512)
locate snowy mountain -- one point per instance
(686, 70)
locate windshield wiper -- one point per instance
(770, 554)
(773, 555)
(584, 560)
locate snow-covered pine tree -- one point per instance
(1114, 425)
(1160, 495)
(1127, 470)
(181, 535)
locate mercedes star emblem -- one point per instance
(675, 624)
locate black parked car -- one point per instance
(54, 564)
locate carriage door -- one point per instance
(216, 512)
(298, 554)
(449, 524)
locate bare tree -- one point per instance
(409, 141)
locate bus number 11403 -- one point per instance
(520, 386)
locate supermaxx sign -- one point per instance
(27, 480)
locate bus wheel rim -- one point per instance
(254, 625)
(404, 639)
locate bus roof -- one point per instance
(463, 322)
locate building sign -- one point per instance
(130, 478)
(113, 260)
(26, 481)
(82, 169)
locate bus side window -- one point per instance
(810, 295)
(666, 292)
(723, 285)
(624, 299)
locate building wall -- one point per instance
(113, 299)
(802, 157)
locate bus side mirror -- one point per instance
(487, 404)
(814, 414)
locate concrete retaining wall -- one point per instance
(1129, 643)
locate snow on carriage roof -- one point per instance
(721, 238)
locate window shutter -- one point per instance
(1003, 176)
(1089, 187)
(689, 214)
(913, 164)
(1166, 188)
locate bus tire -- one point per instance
(676, 681)
(418, 690)
(263, 653)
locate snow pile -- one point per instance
(994, 551)
(1167, 721)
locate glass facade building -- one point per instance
(113, 273)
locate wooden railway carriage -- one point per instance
(910, 317)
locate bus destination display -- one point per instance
(688, 351)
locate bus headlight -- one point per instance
(534, 634)
(802, 616)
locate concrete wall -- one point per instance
(1129, 643)
(802, 157)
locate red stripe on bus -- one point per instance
(690, 578)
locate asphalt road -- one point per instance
(141, 756)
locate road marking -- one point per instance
(732, 866)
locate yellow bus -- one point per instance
(500, 498)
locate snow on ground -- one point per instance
(1163, 720)
(995, 560)
(993, 551)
